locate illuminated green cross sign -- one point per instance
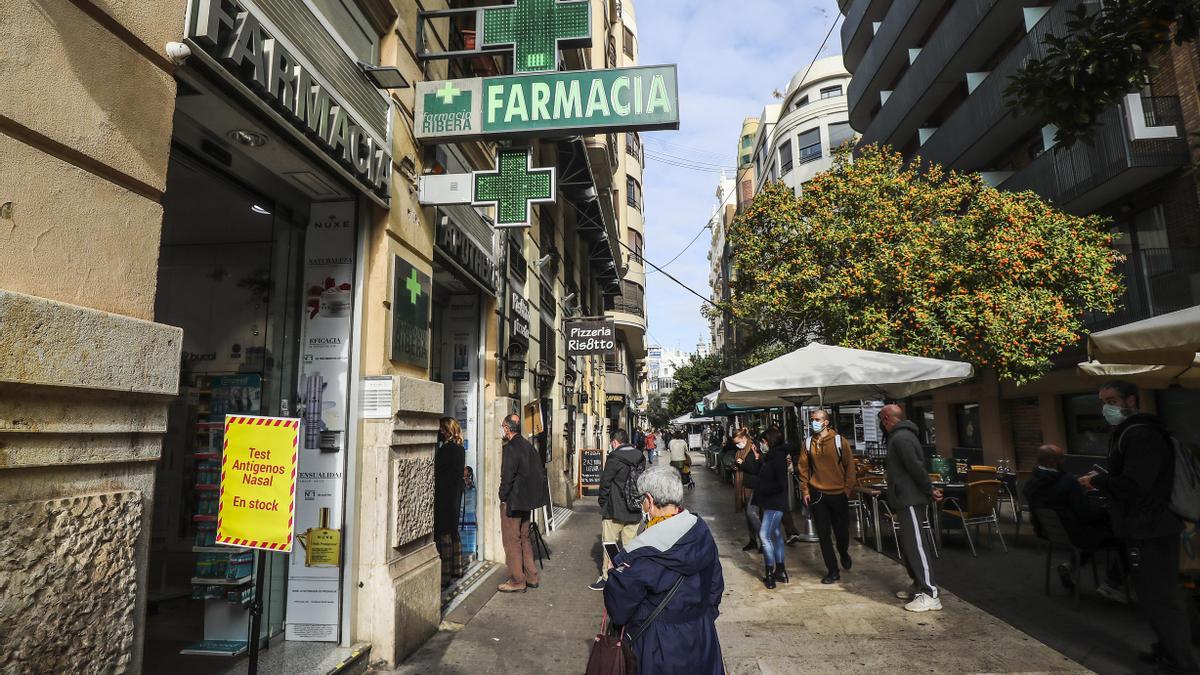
(413, 286)
(513, 186)
(448, 93)
(537, 29)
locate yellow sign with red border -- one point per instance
(257, 506)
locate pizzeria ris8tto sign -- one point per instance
(586, 338)
(575, 102)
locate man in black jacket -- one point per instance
(522, 489)
(620, 523)
(909, 493)
(1141, 471)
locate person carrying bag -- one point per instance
(613, 654)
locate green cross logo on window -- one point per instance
(513, 187)
(537, 29)
(413, 286)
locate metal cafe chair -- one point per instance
(1051, 530)
(926, 529)
(980, 509)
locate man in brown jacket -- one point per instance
(826, 471)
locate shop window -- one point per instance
(785, 157)
(831, 92)
(1087, 432)
(350, 24)
(839, 133)
(809, 143)
(969, 435)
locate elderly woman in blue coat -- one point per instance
(675, 548)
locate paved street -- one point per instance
(801, 627)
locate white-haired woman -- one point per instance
(665, 589)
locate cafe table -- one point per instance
(874, 493)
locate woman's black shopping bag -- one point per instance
(611, 654)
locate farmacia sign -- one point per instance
(575, 102)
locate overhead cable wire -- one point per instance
(685, 248)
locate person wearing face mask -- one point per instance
(909, 493)
(826, 470)
(771, 496)
(1141, 472)
(665, 588)
(746, 463)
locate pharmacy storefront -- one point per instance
(278, 161)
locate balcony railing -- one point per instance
(928, 72)
(878, 52)
(1065, 175)
(986, 107)
(631, 301)
(1157, 281)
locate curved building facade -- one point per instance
(795, 139)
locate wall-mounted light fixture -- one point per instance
(384, 77)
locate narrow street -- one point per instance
(855, 626)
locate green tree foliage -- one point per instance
(656, 412)
(1103, 56)
(694, 380)
(879, 255)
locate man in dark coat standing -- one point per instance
(909, 494)
(618, 523)
(1141, 472)
(522, 489)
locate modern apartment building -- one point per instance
(627, 371)
(795, 138)
(929, 80)
(179, 241)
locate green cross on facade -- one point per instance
(537, 28)
(413, 286)
(448, 93)
(513, 186)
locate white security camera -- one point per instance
(178, 52)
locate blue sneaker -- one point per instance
(597, 585)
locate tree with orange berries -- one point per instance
(878, 254)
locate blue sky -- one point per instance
(732, 55)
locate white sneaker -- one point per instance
(924, 603)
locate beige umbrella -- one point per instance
(1167, 340)
(1150, 376)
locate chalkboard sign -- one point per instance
(589, 475)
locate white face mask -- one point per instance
(1114, 414)
(818, 426)
(741, 446)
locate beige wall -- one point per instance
(85, 380)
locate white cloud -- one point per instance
(731, 56)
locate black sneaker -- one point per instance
(846, 561)
(598, 585)
(831, 578)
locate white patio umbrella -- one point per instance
(1167, 340)
(827, 373)
(1159, 351)
(691, 419)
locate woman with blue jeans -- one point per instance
(771, 495)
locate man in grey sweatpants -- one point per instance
(909, 493)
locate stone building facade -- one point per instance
(124, 163)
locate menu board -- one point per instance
(592, 461)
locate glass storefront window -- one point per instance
(1087, 432)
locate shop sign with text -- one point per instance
(587, 338)
(518, 310)
(237, 40)
(410, 314)
(258, 482)
(584, 102)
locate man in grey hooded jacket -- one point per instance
(909, 494)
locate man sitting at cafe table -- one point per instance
(1051, 486)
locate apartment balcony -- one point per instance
(858, 29)
(628, 311)
(983, 126)
(603, 154)
(1134, 144)
(969, 33)
(1157, 281)
(903, 25)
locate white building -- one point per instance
(796, 138)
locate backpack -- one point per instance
(1185, 488)
(629, 490)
